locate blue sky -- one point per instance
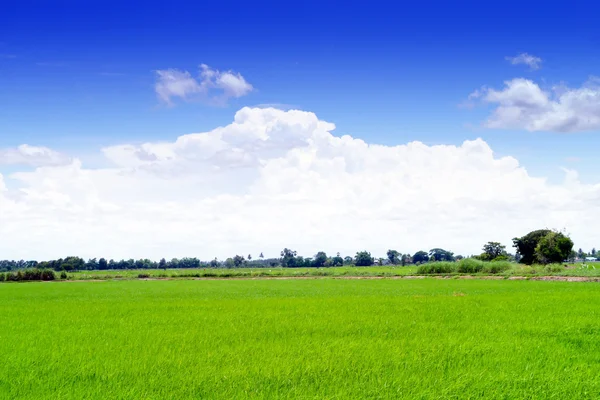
(77, 77)
(82, 72)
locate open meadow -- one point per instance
(325, 339)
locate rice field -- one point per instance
(307, 339)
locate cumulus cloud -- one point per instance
(213, 85)
(533, 62)
(273, 179)
(523, 104)
(32, 156)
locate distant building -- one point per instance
(591, 259)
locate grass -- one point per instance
(309, 339)
(463, 267)
(381, 271)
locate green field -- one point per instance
(308, 339)
(591, 270)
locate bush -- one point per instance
(143, 276)
(554, 268)
(2, 277)
(441, 267)
(63, 275)
(496, 267)
(33, 274)
(470, 266)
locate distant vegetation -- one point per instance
(537, 247)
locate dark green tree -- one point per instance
(319, 260)
(288, 258)
(420, 257)
(438, 254)
(543, 246)
(238, 261)
(393, 256)
(493, 250)
(553, 248)
(363, 259)
(526, 245)
(162, 264)
(102, 264)
(337, 261)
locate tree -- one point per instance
(420, 257)
(102, 264)
(288, 258)
(580, 253)
(348, 260)
(214, 263)
(249, 257)
(238, 261)
(593, 253)
(543, 246)
(337, 261)
(162, 264)
(261, 255)
(493, 250)
(526, 245)
(438, 254)
(553, 248)
(406, 259)
(92, 264)
(320, 259)
(363, 259)
(393, 256)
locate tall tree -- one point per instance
(363, 259)
(238, 261)
(288, 258)
(543, 246)
(553, 248)
(420, 257)
(493, 250)
(438, 254)
(320, 259)
(393, 256)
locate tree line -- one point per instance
(540, 246)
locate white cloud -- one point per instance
(527, 59)
(522, 104)
(32, 156)
(212, 85)
(274, 179)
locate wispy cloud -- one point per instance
(213, 85)
(33, 156)
(533, 62)
(8, 56)
(523, 104)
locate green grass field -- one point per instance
(307, 339)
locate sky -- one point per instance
(211, 129)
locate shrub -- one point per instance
(441, 267)
(470, 266)
(496, 267)
(63, 275)
(143, 276)
(554, 268)
(2, 276)
(33, 274)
